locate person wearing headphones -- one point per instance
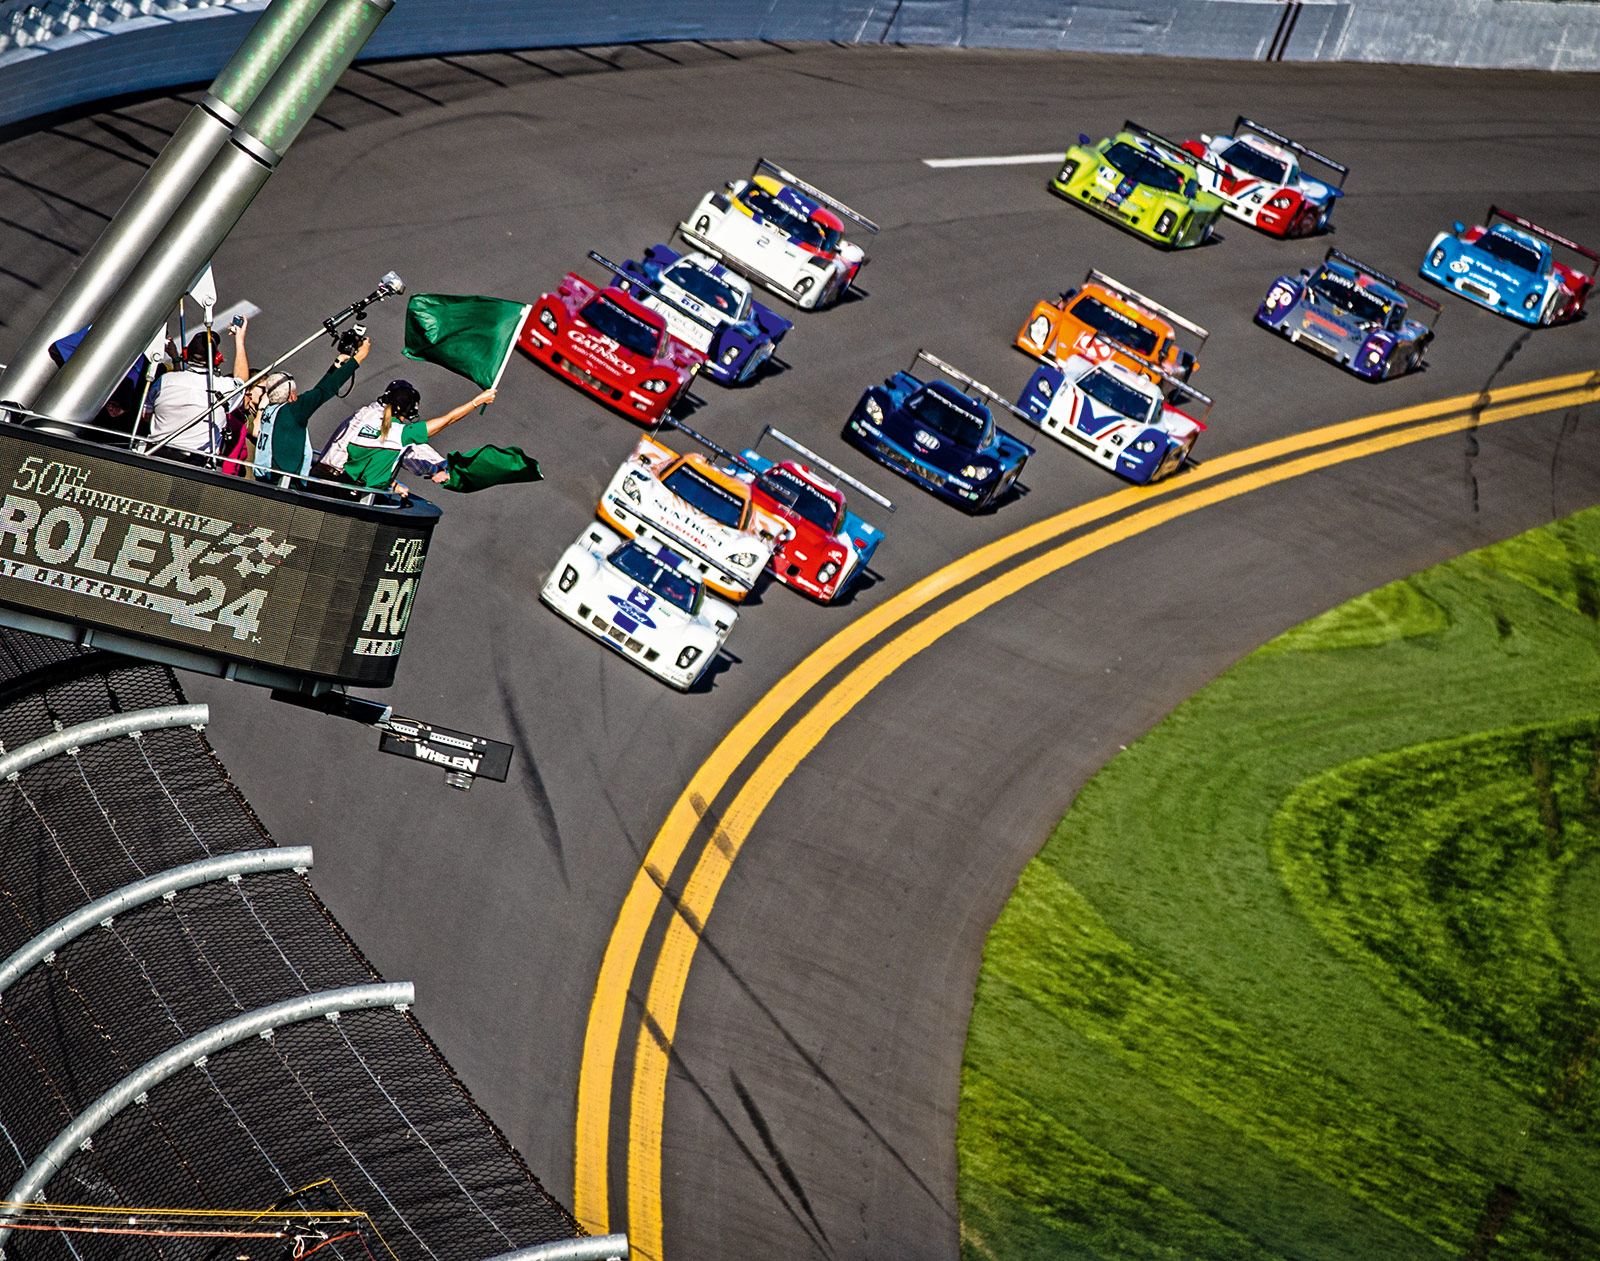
(369, 447)
(179, 401)
(279, 415)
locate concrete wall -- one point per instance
(189, 46)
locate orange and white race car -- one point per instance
(708, 516)
(1104, 319)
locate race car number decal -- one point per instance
(1106, 176)
(926, 440)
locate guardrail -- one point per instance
(55, 54)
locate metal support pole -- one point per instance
(159, 193)
(584, 1248)
(82, 1128)
(69, 739)
(183, 248)
(139, 892)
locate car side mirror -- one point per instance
(1083, 139)
(1205, 139)
(1305, 273)
(1190, 189)
(1458, 227)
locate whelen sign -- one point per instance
(205, 571)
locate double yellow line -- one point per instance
(1145, 508)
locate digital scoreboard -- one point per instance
(223, 574)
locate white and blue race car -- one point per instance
(1511, 268)
(639, 598)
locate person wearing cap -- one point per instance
(177, 407)
(279, 430)
(370, 445)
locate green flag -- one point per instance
(490, 466)
(469, 335)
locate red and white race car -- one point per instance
(609, 343)
(1258, 175)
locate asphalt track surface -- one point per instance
(811, 1103)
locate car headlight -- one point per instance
(547, 318)
(1437, 256)
(630, 486)
(978, 472)
(1374, 354)
(702, 225)
(568, 579)
(688, 657)
(1067, 172)
(874, 411)
(826, 572)
(1038, 330)
(1280, 202)
(729, 355)
(1147, 445)
(804, 284)
(1530, 302)
(1165, 222)
(743, 559)
(656, 385)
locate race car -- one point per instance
(940, 437)
(830, 545)
(611, 344)
(1103, 318)
(693, 291)
(1352, 314)
(1142, 182)
(635, 596)
(701, 512)
(1116, 416)
(1511, 268)
(1258, 175)
(782, 233)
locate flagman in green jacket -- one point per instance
(369, 447)
(280, 415)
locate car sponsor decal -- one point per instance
(634, 610)
(602, 348)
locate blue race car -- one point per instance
(940, 437)
(708, 306)
(1511, 269)
(1352, 314)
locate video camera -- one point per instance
(348, 341)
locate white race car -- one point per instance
(1115, 416)
(637, 597)
(782, 233)
(707, 515)
(1258, 175)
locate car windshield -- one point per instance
(1252, 161)
(623, 327)
(796, 226)
(1509, 250)
(1101, 386)
(933, 409)
(1142, 168)
(1114, 324)
(649, 571)
(701, 284)
(1349, 296)
(794, 492)
(698, 491)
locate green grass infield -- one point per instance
(1313, 969)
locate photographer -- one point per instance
(279, 428)
(178, 404)
(368, 448)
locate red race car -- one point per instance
(612, 345)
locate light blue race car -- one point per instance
(1511, 268)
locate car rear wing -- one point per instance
(1173, 149)
(811, 190)
(1527, 225)
(971, 386)
(1394, 284)
(1244, 124)
(631, 281)
(1134, 297)
(777, 435)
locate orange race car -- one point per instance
(1103, 319)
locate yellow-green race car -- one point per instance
(1142, 182)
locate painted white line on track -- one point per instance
(1010, 159)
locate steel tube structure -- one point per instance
(158, 194)
(139, 892)
(263, 1020)
(101, 729)
(583, 1248)
(183, 247)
